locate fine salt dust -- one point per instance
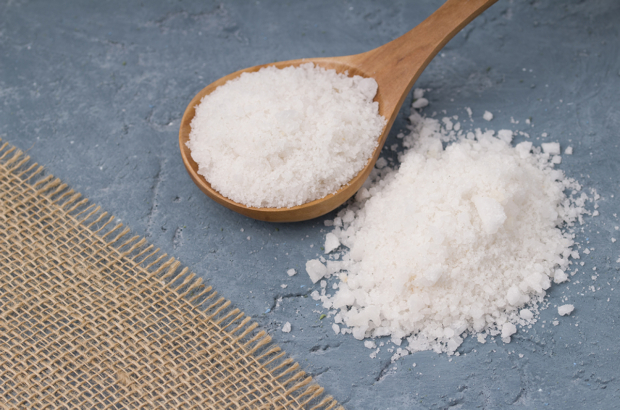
(283, 137)
(459, 240)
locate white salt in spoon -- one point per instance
(395, 66)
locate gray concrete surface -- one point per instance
(95, 92)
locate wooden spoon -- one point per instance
(395, 66)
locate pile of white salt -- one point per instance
(283, 137)
(460, 239)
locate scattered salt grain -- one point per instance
(331, 242)
(560, 276)
(369, 344)
(291, 272)
(420, 103)
(381, 163)
(565, 310)
(418, 99)
(283, 137)
(283, 286)
(316, 270)
(526, 314)
(508, 329)
(286, 328)
(552, 148)
(568, 151)
(487, 115)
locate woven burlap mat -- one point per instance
(93, 318)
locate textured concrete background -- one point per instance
(95, 92)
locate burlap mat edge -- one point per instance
(256, 343)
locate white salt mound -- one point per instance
(279, 138)
(462, 239)
(565, 310)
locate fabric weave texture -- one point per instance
(93, 317)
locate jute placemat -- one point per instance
(93, 318)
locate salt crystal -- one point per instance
(291, 272)
(487, 115)
(286, 328)
(331, 242)
(381, 163)
(420, 103)
(526, 314)
(505, 135)
(490, 212)
(369, 344)
(316, 270)
(508, 329)
(560, 276)
(565, 310)
(568, 151)
(552, 148)
(418, 93)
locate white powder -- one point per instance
(279, 138)
(457, 240)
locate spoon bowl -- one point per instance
(395, 66)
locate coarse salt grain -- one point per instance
(565, 310)
(487, 115)
(316, 270)
(457, 240)
(331, 242)
(286, 328)
(552, 148)
(282, 137)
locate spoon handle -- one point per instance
(398, 64)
